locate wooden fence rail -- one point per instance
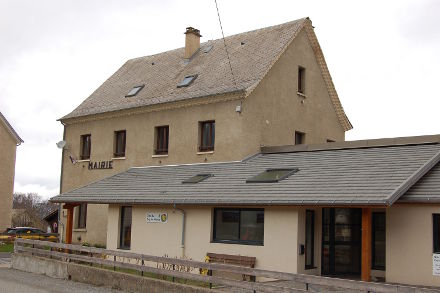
(129, 260)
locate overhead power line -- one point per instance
(226, 48)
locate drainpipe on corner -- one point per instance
(182, 244)
(60, 209)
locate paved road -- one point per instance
(13, 281)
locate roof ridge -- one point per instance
(354, 144)
(11, 129)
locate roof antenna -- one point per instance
(226, 48)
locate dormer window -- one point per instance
(188, 80)
(134, 91)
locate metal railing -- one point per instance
(279, 281)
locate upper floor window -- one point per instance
(119, 144)
(301, 80)
(187, 81)
(134, 91)
(207, 136)
(162, 135)
(436, 232)
(86, 145)
(81, 216)
(242, 226)
(300, 137)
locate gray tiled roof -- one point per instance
(249, 62)
(10, 129)
(359, 176)
(427, 189)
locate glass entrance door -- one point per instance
(341, 241)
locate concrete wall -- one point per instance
(279, 251)
(271, 114)
(7, 166)
(409, 245)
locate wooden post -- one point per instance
(69, 225)
(366, 244)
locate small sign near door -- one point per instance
(436, 264)
(157, 217)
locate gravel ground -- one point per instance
(13, 281)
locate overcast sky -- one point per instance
(383, 57)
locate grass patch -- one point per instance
(7, 247)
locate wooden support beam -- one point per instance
(366, 244)
(69, 225)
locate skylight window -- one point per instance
(272, 175)
(188, 80)
(135, 90)
(197, 178)
(207, 48)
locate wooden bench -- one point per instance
(238, 260)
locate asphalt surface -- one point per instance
(13, 281)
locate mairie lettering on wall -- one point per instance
(101, 165)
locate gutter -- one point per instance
(182, 243)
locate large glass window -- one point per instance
(81, 216)
(125, 228)
(245, 226)
(120, 137)
(310, 239)
(207, 136)
(378, 238)
(436, 232)
(86, 144)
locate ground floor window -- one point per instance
(242, 226)
(436, 232)
(125, 228)
(310, 239)
(81, 216)
(378, 239)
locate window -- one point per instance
(242, 226)
(272, 175)
(125, 228)
(162, 134)
(197, 178)
(436, 232)
(301, 79)
(310, 240)
(81, 216)
(120, 137)
(207, 136)
(86, 144)
(134, 91)
(187, 81)
(300, 137)
(330, 140)
(378, 238)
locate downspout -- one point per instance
(182, 243)
(60, 209)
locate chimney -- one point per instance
(192, 41)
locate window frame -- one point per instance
(236, 241)
(308, 266)
(81, 217)
(159, 132)
(302, 135)
(121, 243)
(301, 80)
(85, 138)
(117, 154)
(435, 235)
(211, 136)
(373, 241)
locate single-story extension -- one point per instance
(363, 209)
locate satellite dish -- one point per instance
(61, 144)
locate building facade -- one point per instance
(188, 106)
(9, 140)
(363, 209)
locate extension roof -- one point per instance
(11, 130)
(252, 55)
(353, 173)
